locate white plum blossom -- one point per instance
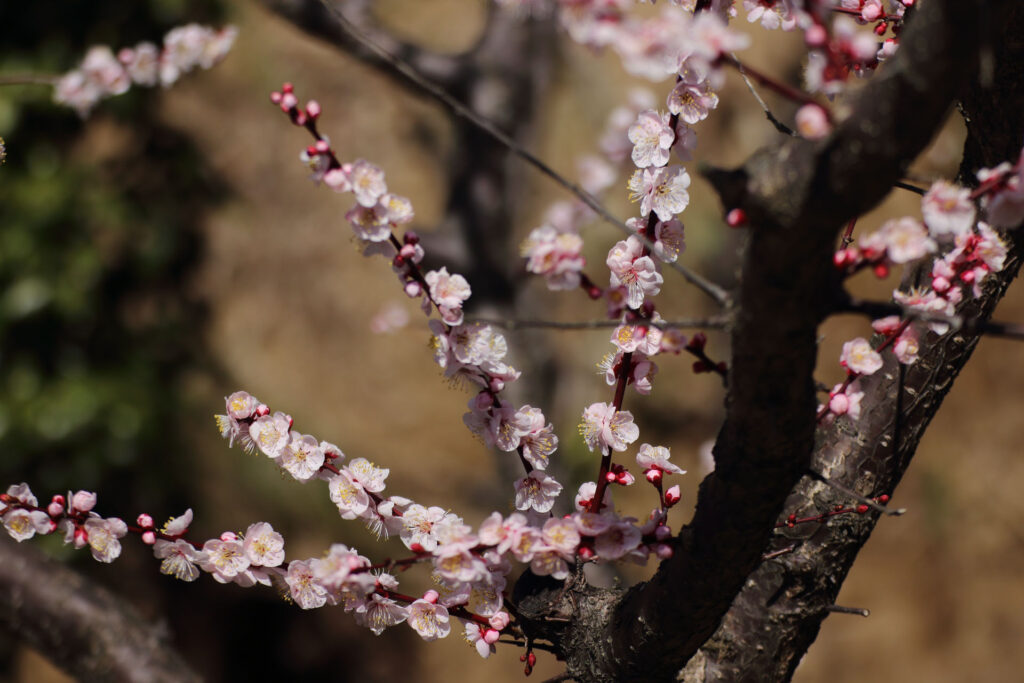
(556, 255)
(303, 587)
(351, 498)
(901, 240)
(378, 613)
(631, 269)
(179, 559)
(691, 99)
(656, 458)
(859, 357)
(418, 526)
(537, 439)
(662, 190)
(263, 546)
(103, 537)
(605, 427)
(271, 433)
(429, 619)
(537, 491)
(948, 209)
(652, 139)
(302, 457)
(368, 475)
(448, 292)
(224, 559)
(367, 182)
(669, 240)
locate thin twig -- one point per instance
(29, 79)
(779, 125)
(907, 186)
(713, 290)
(856, 496)
(860, 611)
(716, 323)
(559, 678)
(778, 553)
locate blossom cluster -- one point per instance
(103, 74)
(966, 251)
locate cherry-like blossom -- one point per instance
(859, 357)
(948, 209)
(605, 427)
(662, 190)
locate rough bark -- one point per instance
(79, 626)
(777, 616)
(797, 194)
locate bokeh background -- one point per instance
(170, 249)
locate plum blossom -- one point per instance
(662, 190)
(302, 457)
(179, 559)
(605, 427)
(448, 292)
(555, 255)
(656, 458)
(429, 619)
(669, 240)
(634, 271)
(271, 433)
(537, 491)
(948, 209)
(900, 240)
(812, 122)
(773, 14)
(418, 524)
(692, 100)
(537, 439)
(859, 357)
(303, 587)
(652, 139)
(263, 546)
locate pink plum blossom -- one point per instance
(634, 271)
(948, 209)
(859, 357)
(555, 255)
(605, 427)
(537, 491)
(652, 139)
(662, 190)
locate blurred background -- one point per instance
(170, 249)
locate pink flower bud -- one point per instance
(313, 109)
(81, 538)
(812, 122)
(816, 36)
(148, 537)
(275, 97)
(662, 532)
(839, 404)
(229, 536)
(413, 289)
(491, 636)
(322, 147)
(672, 496)
(287, 88)
(83, 501)
(653, 475)
(54, 509)
(288, 101)
(499, 620)
(663, 551)
(262, 409)
(431, 596)
(408, 251)
(144, 521)
(584, 552)
(736, 218)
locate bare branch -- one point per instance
(514, 324)
(84, 629)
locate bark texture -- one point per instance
(82, 628)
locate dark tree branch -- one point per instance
(797, 195)
(80, 627)
(313, 17)
(778, 614)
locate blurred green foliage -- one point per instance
(99, 230)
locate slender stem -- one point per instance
(716, 323)
(713, 290)
(29, 79)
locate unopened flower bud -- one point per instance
(229, 536)
(83, 501)
(81, 538)
(663, 551)
(672, 496)
(816, 36)
(148, 537)
(55, 509)
(491, 636)
(499, 620)
(313, 109)
(653, 475)
(144, 521)
(431, 596)
(736, 218)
